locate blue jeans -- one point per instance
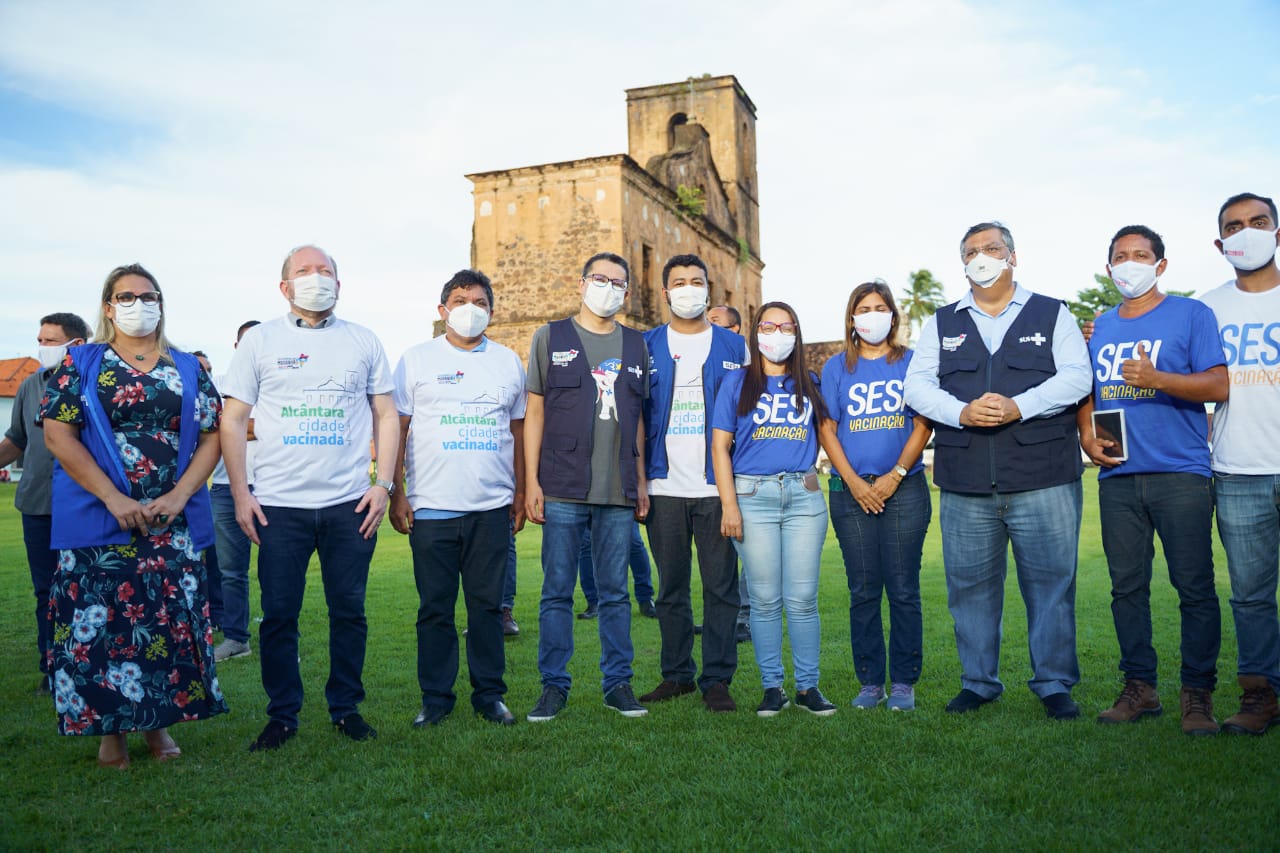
(289, 539)
(1179, 507)
(232, 549)
(611, 529)
(637, 558)
(43, 562)
(1043, 526)
(784, 524)
(882, 555)
(472, 549)
(1249, 526)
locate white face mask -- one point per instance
(468, 320)
(776, 346)
(983, 270)
(602, 299)
(315, 292)
(51, 357)
(873, 326)
(1250, 249)
(1133, 279)
(137, 320)
(688, 302)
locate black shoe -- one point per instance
(431, 715)
(496, 712)
(773, 703)
(814, 702)
(42, 689)
(550, 703)
(744, 632)
(354, 727)
(592, 611)
(274, 736)
(622, 700)
(648, 609)
(966, 701)
(1060, 706)
(697, 630)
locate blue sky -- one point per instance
(205, 140)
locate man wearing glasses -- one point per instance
(999, 373)
(690, 358)
(584, 463)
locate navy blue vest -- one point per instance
(1019, 456)
(569, 412)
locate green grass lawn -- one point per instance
(682, 778)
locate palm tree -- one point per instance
(922, 299)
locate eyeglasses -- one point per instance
(126, 298)
(769, 328)
(602, 280)
(992, 250)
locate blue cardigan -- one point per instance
(80, 520)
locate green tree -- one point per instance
(923, 297)
(1092, 301)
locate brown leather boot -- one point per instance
(1137, 700)
(1197, 712)
(1258, 708)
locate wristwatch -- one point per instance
(900, 471)
(386, 484)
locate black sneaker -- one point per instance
(550, 703)
(354, 727)
(648, 609)
(592, 611)
(622, 700)
(274, 736)
(773, 703)
(814, 702)
(744, 632)
(1060, 706)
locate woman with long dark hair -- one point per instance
(764, 445)
(880, 506)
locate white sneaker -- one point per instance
(228, 649)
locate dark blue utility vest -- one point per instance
(569, 412)
(1015, 457)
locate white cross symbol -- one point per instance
(1037, 339)
(635, 368)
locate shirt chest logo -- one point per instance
(954, 343)
(1036, 339)
(292, 362)
(563, 358)
(449, 378)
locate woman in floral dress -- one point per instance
(132, 424)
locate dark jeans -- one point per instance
(637, 559)
(232, 558)
(289, 539)
(675, 523)
(882, 555)
(509, 578)
(473, 548)
(43, 562)
(1179, 507)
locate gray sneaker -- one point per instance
(228, 649)
(622, 700)
(902, 697)
(870, 696)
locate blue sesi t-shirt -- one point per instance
(872, 419)
(1166, 434)
(776, 436)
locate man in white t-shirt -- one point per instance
(1246, 453)
(461, 399)
(319, 389)
(688, 359)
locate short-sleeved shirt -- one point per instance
(460, 454)
(873, 420)
(34, 495)
(604, 355)
(310, 389)
(1166, 434)
(776, 436)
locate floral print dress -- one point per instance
(132, 642)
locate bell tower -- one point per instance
(720, 106)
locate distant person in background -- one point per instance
(764, 446)
(319, 391)
(1246, 454)
(233, 546)
(23, 440)
(727, 317)
(641, 573)
(880, 505)
(461, 399)
(133, 424)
